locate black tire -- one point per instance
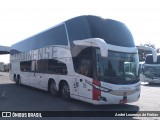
(14, 78)
(52, 89)
(18, 81)
(65, 91)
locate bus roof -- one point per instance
(79, 28)
(111, 31)
(4, 50)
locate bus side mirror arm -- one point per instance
(94, 42)
(154, 53)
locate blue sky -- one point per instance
(20, 19)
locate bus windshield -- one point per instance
(152, 71)
(117, 68)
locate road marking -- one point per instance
(3, 93)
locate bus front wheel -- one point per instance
(65, 91)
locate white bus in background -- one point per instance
(141, 76)
(1, 67)
(151, 69)
(84, 58)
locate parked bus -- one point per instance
(151, 70)
(86, 58)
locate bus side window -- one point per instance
(51, 66)
(61, 68)
(83, 62)
(25, 66)
(76, 61)
(57, 67)
(41, 66)
(33, 66)
(85, 67)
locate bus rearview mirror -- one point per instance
(154, 53)
(94, 42)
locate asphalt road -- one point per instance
(24, 98)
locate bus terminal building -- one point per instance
(4, 50)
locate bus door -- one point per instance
(83, 66)
(79, 87)
(85, 89)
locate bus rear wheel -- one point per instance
(18, 81)
(52, 88)
(65, 91)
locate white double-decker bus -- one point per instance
(86, 58)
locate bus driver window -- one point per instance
(85, 67)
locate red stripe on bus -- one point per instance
(96, 92)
